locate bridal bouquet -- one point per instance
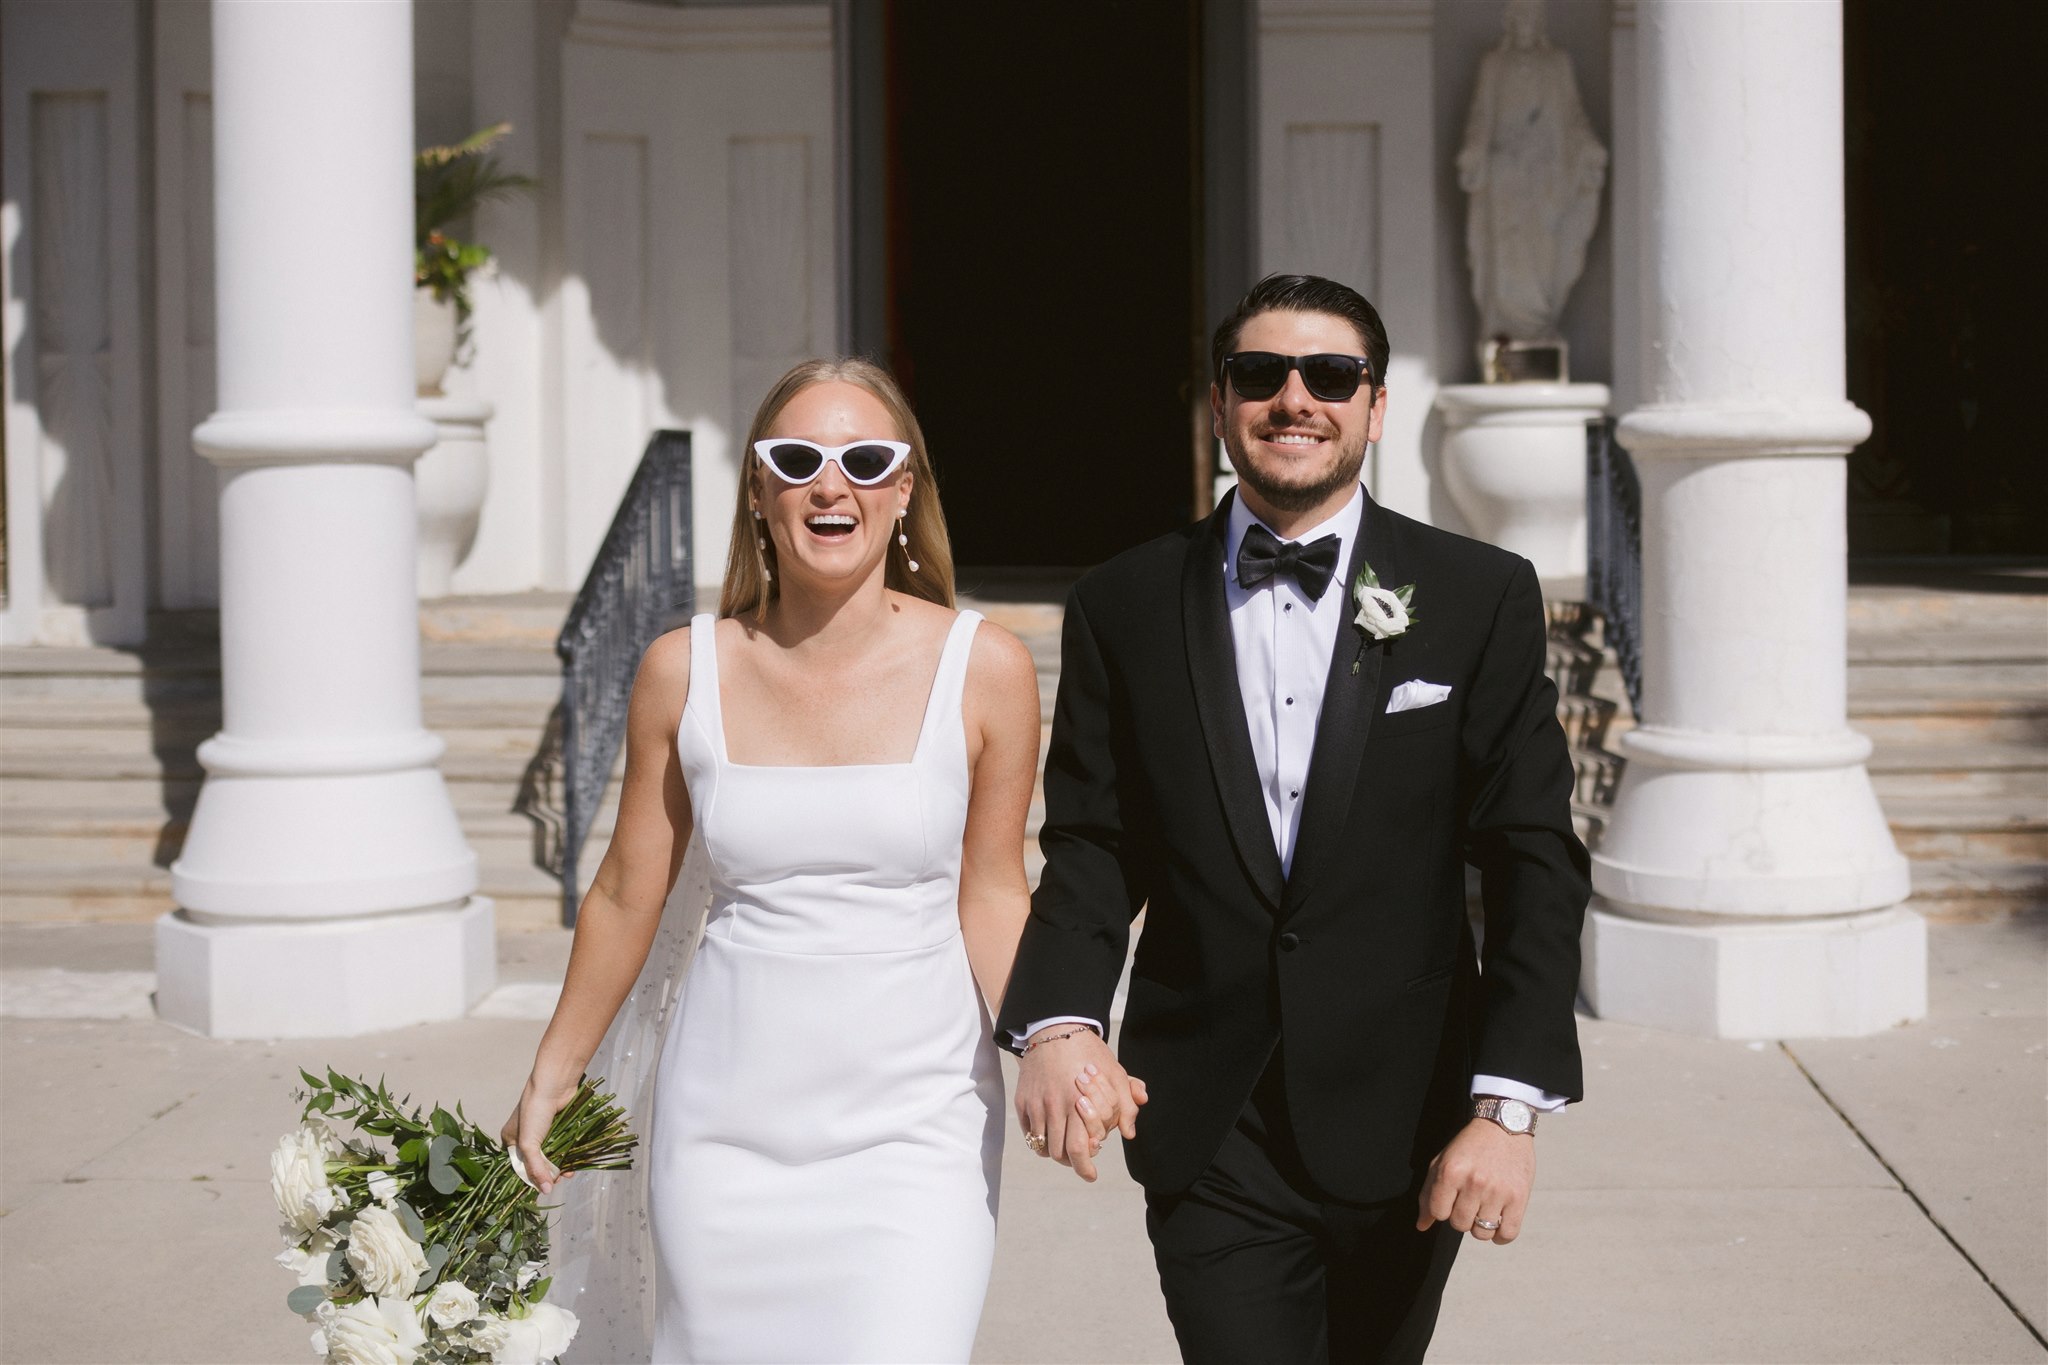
(432, 1253)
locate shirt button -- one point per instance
(1289, 942)
(1287, 606)
(1294, 795)
(1290, 701)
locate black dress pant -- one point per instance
(1258, 1265)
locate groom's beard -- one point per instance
(1293, 490)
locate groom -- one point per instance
(1287, 771)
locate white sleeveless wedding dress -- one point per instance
(824, 1150)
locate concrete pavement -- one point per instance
(1881, 1199)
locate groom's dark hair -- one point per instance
(1304, 294)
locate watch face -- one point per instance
(1515, 1116)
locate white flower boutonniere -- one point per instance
(1382, 613)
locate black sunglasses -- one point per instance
(1261, 374)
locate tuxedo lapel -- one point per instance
(1212, 670)
(1350, 701)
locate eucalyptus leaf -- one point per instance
(444, 1179)
(409, 1219)
(306, 1298)
(440, 1149)
(437, 1255)
(337, 1264)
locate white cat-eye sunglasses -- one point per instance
(865, 463)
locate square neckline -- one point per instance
(717, 693)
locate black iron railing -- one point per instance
(1614, 552)
(639, 585)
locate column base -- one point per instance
(1838, 977)
(331, 978)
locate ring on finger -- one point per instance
(1491, 1225)
(1036, 1142)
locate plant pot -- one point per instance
(449, 483)
(1514, 463)
(433, 340)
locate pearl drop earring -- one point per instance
(903, 537)
(762, 541)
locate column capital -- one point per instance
(1735, 431)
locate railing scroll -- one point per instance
(639, 585)
(1614, 552)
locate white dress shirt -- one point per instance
(1283, 640)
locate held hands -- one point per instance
(1483, 1177)
(528, 1126)
(1071, 1092)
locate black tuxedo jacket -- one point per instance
(1361, 964)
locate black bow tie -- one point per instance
(1262, 554)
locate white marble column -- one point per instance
(1747, 885)
(325, 887)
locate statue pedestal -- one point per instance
(1514, 463)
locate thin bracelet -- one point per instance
(1055, 1037)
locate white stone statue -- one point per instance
(1533, 170)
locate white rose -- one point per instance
(371, 1332)
(451, 1303)
(557, 1328)
(298, 1176)
(386, 1260)
(309, 1262)
(490, 1334)
(383, 1187)
(1380, 613)
(543, 1334)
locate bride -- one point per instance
(854, 759)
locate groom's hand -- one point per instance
(1484, 1176)
(1067, 1087)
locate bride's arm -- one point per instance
(1001, 707)
(622, 910)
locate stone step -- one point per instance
(1977, 828)
(1941, 682)
(2016, 785)
(1908, 718)
(1948, 648)
(1919, 598)
(1970, 888)
(487, 762)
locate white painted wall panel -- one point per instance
(734, 107)
(71, 239)
(1347, 164)
(187, 509)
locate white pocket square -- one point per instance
(1415, 694)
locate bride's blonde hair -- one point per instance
(748, 586)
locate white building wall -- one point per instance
(76, 330)
(1346, 163)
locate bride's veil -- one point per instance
(603, 1252)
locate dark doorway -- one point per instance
(1045, 265)
(1945, 280)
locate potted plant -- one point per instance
(448, 184)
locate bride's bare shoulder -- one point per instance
(665, 668)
